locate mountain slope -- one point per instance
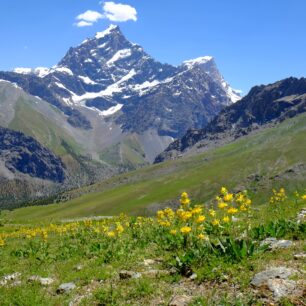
(38, 119)
(274, 157)
(263, 106)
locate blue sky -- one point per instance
(253, 41)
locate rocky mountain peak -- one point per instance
(111, 30)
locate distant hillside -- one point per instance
(263, 106)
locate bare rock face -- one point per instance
(24, 154)
(124, 274)
(11, 279)
(65, 288)
(274, 244)
(44, 281)
(180, 300)
(277, 281)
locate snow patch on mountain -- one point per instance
(109, 91)
(119, 55)
(112, 110)
(87, 80)
(12, 83)
(39, 71)
(197, 61)
(108, 31)
(233, 94)
(23, 70)
(62, 69)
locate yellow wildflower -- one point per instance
(160, 214)
(224, 191)
(184, 195)
(185, 215)
(44, 235)
(215, 222)
(185, 202)
(173, 232)
(196, 210)
(212, 212)
(169, 213)
(201, 236)
(304, 197)
(185, 229)
(2, 242)
(200, 219)
(228, 197)
(232, 210)
(111, 234)
(119, 228)
(243, 208)
(226, 219)
(185, 199)
(222, 205)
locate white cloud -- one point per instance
(90, 16)
(112, 11)
(119, 12)
(83, 23)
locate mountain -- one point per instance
(107, 107)
(262, 107)
(118, 94)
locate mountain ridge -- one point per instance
(264, 105)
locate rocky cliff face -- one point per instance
(23, 154)
(263, 105)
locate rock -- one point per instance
(124, 274)
(193, 276)
(149, 262)
(44, 281)
(173, 271)
(281, 287)
(276, 280)
(16, 283)
(261, 278)
(155, 273)
(299, 256)
(273, 243)
(79, 267)
(301, 215)
(180, 300)
(65, 288)
(9, 278)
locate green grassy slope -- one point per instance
(127, 154)
(269, 153)
(34, 124)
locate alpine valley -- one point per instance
(106, 107)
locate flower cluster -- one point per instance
(279, 196)
(110, 228)
(196, 221)
(186, 220)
